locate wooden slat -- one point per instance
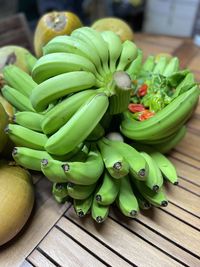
(188, 161)
(197, 111)
(128, 244)
(65, 251)
(45, 215)
(190, 187)
(92, 244)
(194, 63)
(39, 260)
(194, 123)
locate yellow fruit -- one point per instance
(52, 24)
(9, 109)
(16, 200)
(17, 55)
(116, 25)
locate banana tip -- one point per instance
(155, 188)
(99, 219)
(80, 213)
(133, 213)
(164, 203)
(65, 167)
(98, 198)
(14, 152)
(44, 162)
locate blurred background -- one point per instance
(170, 17)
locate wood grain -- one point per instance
(39, 260)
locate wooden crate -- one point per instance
(170, 237)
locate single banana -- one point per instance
(29, 119)
(155, 198)
(30, 60)
(60, 190)
(55, 118)
(22, 136)
(95, 40)
(71, 44)
(160, 65)
(29, 158)
(165, 122)
(82, 206)
(114, 161)
(79, 126)
(114, 48)
(126, 200)
(99, 213)
(135, 67)
(85, 173)
(185, 85)
(19, 79)
(57, 63)
(167, 168)
(80, 191)
(108, 191)
(137, 164)
(17, 99)
(128, 54)
(148, 65)
(154, 179)
(171, 67)
(142, 202)
(60, 86)
(97, 133)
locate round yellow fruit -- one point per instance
(116, 25)
(53, 24)
(16, 200)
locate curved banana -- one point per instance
(29, 119)
(17, 99)
(172, 66)
(57, 63)
(29, 158)
(79, 126)
(60, 86)
(99, 213)
(19, 79)
(165, 122)
(114, 161)
(142, 202)
(167, 168)
(128, 54)
(154, 179)
(148, 65)
(82, 206)
(60, 190)
(108, 191)
(114, 47)
(22, 136)
(80, 191)
(97, 133)
(135, 66)
(85, 173)
(55, 118)
(71, 44)
(126, 200)
(160, 65)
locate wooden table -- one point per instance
(159, 237)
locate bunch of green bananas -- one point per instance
(167, 127)
(63, 113)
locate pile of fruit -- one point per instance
(83, 90)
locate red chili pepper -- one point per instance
(136, 107)
(142, 90)
(146, 114)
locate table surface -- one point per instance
(54, 236)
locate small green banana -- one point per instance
(29, 119)
(80, 191)
(171, 67)
(135, 67)
(108, 191)
(22, 136)
(126, 200)
(82, 206)
(149, 64)
(99, 212)
(60, 190)
(187, 83)
(160, 65)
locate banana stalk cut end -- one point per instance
(133, 213)
(155, 188)
(14, 152)
(98, 198)
(44, 162)
(66, 167)
(164, 203)
(142, 173)
(99, 219)
(80, 213)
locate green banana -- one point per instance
(160, 65)
(184, 85)
(142, 202)
(19, 79)
(137, 164)
(22, 136)
(114, 161)
(60, 86)
(108, 191)
(85, 173)
(79, 126)
(148, 65)
(29, 119)
(55, 118)
(114, 48)
(80, 191)
(99, 213)
(57, 63)
(126, 200)
(30, 60)
(171, 67)
(165, 122)
(29, 158)
(82, 206)
(128, 54)
(97, 133)
(155, 198)
(71, 44)
(154, 179)
(167, 168)
(16, 99)
(60, 190)
(135, 67)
